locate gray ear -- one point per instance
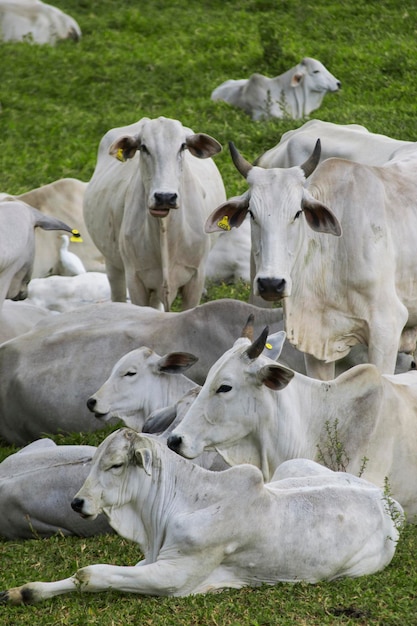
(144, 459)
(274, 345)
(275, 377)
(176, 362)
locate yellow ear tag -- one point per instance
(119, 155)
(269, 346)
(224, 223)
(76, 237)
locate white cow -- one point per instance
(17, 318)
(294, 94)
(147, 214)
(65, 293)
(18, 221)
(63, 199)
(253, 410)
(48, 374)
(336, 252)
(203, 531)
(350, 141)
(37, 485)
(36, 22)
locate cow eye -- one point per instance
(130, 373)
(297, 214)
(144, 149)
(224, 389)
(116, 466)
(251, 214)
(316, 71)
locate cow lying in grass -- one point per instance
(202, 531)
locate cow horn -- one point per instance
(248, 327)
(255, 349)
(242, 166)
(310, 165)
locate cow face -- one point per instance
(108, 485)
(283, 214)
(162, 145)
(233, 396)
(315, 77)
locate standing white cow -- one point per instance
(252, 409)
(18, 221)
(147, 214)
(63, 199)
(346, 274)
(350, 141)
(296, 93)
(36, 22)
(202, 531)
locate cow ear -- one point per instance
(176, 362)
(296, 79)
(320, 218)
(203, 146)
(143, 458)
(124, 148)
(275, 377)
(274, 344)
(229, 215)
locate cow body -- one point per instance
(358, 286)
(147, 214)
(17, 318)
(49, 373)
(18, 221)
(65, 293)
(295, 94)
(36, 487)
(36, 22)
(207, 532)
(252, 409)
(350, 141)
(63, 199)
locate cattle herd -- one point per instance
(223, 469)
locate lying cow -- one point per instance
(36, 487)
(218, 530)
(17, 318)
(336, 243)
(63, 199)
(65, 293)
(252, 409)
(296, 93)
(18, 221)
(153, 187)
(350, 141)
(48, 374)
(36, 22)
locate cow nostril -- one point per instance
(174, 442)
(91, 403)
(165, 199)
(77, 505)
(271, 286)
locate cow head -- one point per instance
(233, 397)
(277, 202)
(162, 144)
(139, 383)
(314, 76)
(107, 487)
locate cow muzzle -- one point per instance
(92, 406)
(163, 202)
(77, 505)
(272, 289)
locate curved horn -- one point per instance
(248, 327)
(258, 345)
(242, 166)
(310, 165)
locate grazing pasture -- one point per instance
(156, 58)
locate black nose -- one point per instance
(174, 442)
(91, 403)
(77, 505)
(271, 288)
(339, 84)
(165, 199)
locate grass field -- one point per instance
(154, 58)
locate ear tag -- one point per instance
(76, 237)
(268, 346)
(120, 156)
(224, 223)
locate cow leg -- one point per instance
(319, 369)
(138, 293)
(385, 334)
(117, 282)
(192, 291)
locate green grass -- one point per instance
(164, 58)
